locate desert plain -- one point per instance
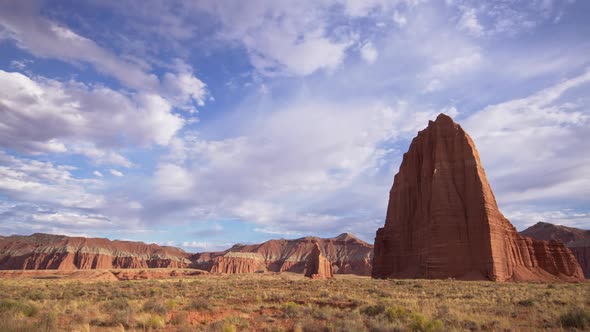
(185, 300)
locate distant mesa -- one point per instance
(345, 253)
(443, 221)
(577, 240)
(59, 252)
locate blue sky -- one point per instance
(205, 123)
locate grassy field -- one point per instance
(289, 302)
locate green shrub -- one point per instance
(373, 310)
(48, 322)
(27, 309)
(120, 312)
(422, 324)
(200, 304)
(36, 295)
(397, 313)
(526, 303)
(155, 306)
(575, 318)
(152, 322)
(291, 310)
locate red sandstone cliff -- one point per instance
(317, 266)
(346, 253)
(443, 221)
(577, 240)
(44, 251)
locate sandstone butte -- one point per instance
(317, 266)
(442, 220)
(44, 251)
(346, 253)
(577, 240)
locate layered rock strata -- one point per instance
(317, 266)
(346, 253)
(44, 251)
(577, 240)
(238, 262)
(443, 221)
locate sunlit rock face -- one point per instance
(346, 253)
(443, 221)
(317, 266)
(44, 251)
(577, 240)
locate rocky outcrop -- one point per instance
(238, 262)
(317, 266)
(581, 250)
(577, 240)
(547, 231)
(346, 253)
(443, 221)
(44, 251)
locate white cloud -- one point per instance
(43, 115)
(369, 52)
(275, 231)
(45, 38)
(270, 174)
(399, 19)
(196, 245)
(43, 182)
(527, 216)
(97, 173)
(72, 219)
(183, 88)
(504, 17)
(99, 156)
(173, 180)
(116, 173)
(535, 148)
(468, 22)
(281, 37)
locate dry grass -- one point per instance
(289, 302)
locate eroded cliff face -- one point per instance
(346, 253)
(238, 262)
(44, 251)
(577, 240)
(317, 266)
(443, 221)
(581, 250)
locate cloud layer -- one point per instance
(205, 123)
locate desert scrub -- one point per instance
(14, 306)
(155, 306)
(291, 310)
(575, 318)
(423, 324)
(526, 303)
(200, 304)
(150, 322)
(284, 302)
(119, 312)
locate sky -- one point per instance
(201, 124)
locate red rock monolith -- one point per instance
(443, 221)
(317, 266)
